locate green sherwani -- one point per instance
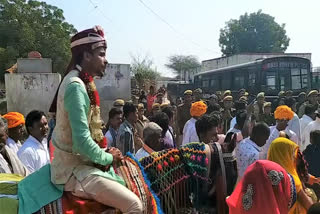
(75, 150)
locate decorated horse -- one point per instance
(193, 178)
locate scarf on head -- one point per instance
(263, 180)
(284, 152)
(14, 119)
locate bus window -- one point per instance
(304, 81)
(214, 83)
(296, 82)
(271, 80)
(295, 78)
(284, 77)
(252, 79)
(299, 81)
(304, 78)
(226, 81)
(205, 83)
(238, 82)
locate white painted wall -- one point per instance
(29, 91)
(115, 84)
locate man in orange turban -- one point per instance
(189, 131)
(16, 129)
(283, 114)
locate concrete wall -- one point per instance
(222, 62)
(115, 84)
(28, 91)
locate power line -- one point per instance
(174, 29)
(96, 7)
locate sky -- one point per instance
(187, 27)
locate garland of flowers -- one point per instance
(95, 122)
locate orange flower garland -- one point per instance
(95, 122)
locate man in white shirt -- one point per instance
(248, 150)
(115, 120)
(241, 118)
(283, 114)
(152, 135)
(189, 131)
(240, 106)
(34, 152)
(314, 125)
(294, 123)
(308, 117)
(15, 130)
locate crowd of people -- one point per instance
(285, 131)
(262, 136)
(277, 143)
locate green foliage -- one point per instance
(178, 63)
(31, 25)
(143, 70)
(253, 33)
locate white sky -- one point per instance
(131, 29)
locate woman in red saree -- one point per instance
(265, 188)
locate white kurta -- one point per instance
(110, 139)
(294, 125)
(274, 133)
(189, 132)
(34, 154)
(13, 145)
(304, 122)
(233, 122)
(314, 125)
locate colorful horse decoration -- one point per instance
(189, 179)
(175, 176)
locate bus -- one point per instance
(177, 88)
(269, 75)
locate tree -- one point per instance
(182, 63)
(31, 25)
(253, 33)
(143, 71)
